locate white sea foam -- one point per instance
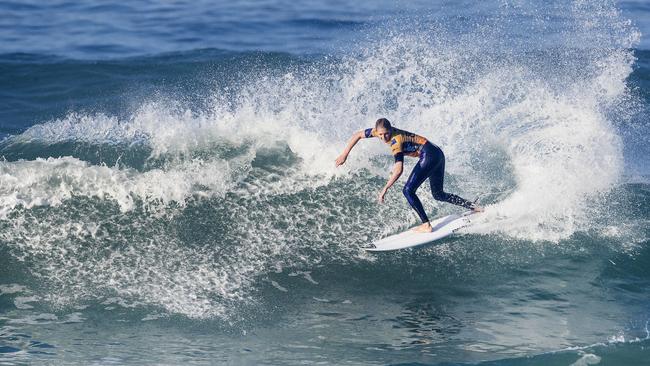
(51, 181)
(587, 359)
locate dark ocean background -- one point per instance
(168, 192)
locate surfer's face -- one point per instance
(383, 133)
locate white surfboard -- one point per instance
(442, 227)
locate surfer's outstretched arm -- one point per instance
(353, 141)
(398, 168)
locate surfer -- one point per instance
(431, 165)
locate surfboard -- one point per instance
(441, 228)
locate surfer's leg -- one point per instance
(436, 180)
(417, 177)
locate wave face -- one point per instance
(199, 187)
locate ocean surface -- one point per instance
(168, 193)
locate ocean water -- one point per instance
(168, 192)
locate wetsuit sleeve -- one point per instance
(369, 132)
(396, 148)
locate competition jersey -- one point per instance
(401, 142)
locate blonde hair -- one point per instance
(383, 122)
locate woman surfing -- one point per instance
(431, 165)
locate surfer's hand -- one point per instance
(380, 196)
(341, 160)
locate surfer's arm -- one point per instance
(353, 141)
(398, 168)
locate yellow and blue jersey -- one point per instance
(401, 142)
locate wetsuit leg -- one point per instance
(418, 175)
(436, 179)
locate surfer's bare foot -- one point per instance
(477, 208)
(424, 228)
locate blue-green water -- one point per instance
(168, 192)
